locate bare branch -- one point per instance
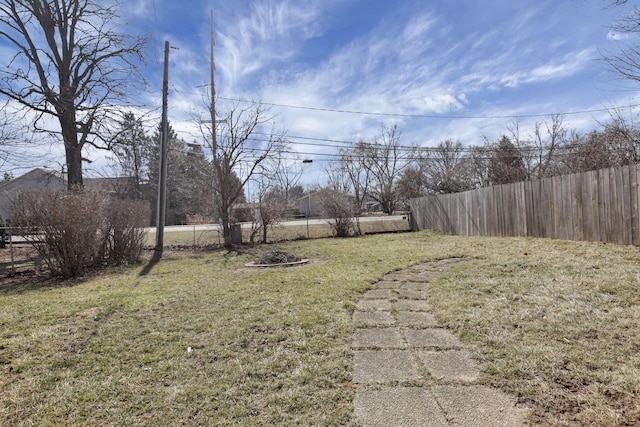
(71, 63)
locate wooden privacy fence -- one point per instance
(599, 205)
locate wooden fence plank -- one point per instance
(598, 205)
(588, 202)
(634, 179)
(603, 204)
(625, 197)
(593, 187)
(577, 204)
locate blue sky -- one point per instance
(458, 69)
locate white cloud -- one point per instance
(616, 36)
(271, 32)
(571, 64)
(418, 28)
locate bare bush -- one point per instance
(74, 232)
(339, 208)
(125, 224)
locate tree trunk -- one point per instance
(264, 232)
(358, 228)
(226, 230)
(73, 153)
(74, 168)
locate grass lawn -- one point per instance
(198, 339)
(276, 233)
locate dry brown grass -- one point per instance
(197, 339)
(557, 327)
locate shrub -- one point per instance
(339, 208)
(73, 232)
(126, 220)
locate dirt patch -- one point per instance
(277, 259)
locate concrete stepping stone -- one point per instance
(397, 407)
(377, 338)
(382, 366)
(377, 294)
(400, 277)
(479, 406)
(410, 294)
(412, 305)
(414, 286)
(450, 365)
(373, 304)
(432, 337)
(386, 284)
(417, 319)
(373, 318)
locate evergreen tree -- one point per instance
(506, 166)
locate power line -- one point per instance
(429, 116)
(420, 116)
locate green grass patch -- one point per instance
(199, 339)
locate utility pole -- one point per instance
(162, 185)
(213, 93)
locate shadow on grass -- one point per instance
(30, 281)
(155, 259)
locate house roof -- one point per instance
(43, 178)
(35, 178)
(324, 191)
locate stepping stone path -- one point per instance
(409, 371)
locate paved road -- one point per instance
(312, 221)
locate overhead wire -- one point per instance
(431, 116)
(409, 115)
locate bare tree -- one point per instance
(549, 136)
(623, 138)
(337, 179)
(271, 200)
(585, 153)
(237, 152)
(412, 183)
(446, 168)
(271, 208)
(286, 176)
(353, 164)
(478, 161)
(385, 159)
(9, 134)
(71, 63)
(626, 29)
(530, 154)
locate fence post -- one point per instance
(13, 265)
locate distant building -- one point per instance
(311, 204)
(47, 179)
(369, 205)
(38, 178)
